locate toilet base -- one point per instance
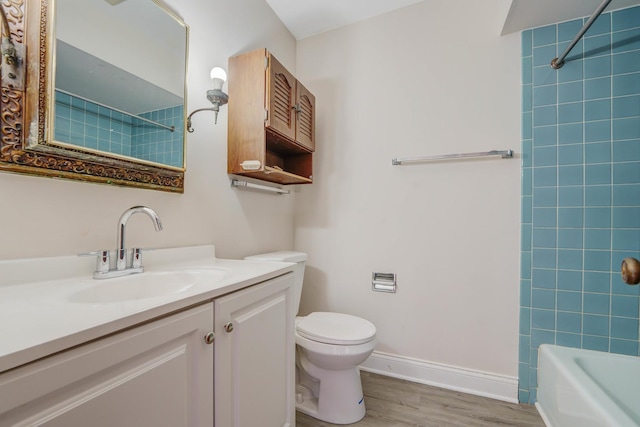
(340, 399)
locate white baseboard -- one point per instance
(495, 386)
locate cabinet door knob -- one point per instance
(228, 327)
(209, 338)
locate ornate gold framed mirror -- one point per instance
(92, 105)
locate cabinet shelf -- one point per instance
(285, 177)
(277, 175)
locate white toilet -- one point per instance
(329, 348)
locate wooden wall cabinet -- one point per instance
(271, 133)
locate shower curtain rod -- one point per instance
(135, 116)
(558, 62)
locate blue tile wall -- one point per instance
(89, 125)
(156, 144)
(580, 189)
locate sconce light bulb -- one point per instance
(219, 73)
(219, 76)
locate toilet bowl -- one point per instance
(329, 348)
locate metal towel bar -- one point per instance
(245, 184)
(505, 154)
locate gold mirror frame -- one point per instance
(23, 116)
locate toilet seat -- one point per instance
(335, 328)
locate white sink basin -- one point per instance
(146, 285)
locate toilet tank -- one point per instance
(299, 258)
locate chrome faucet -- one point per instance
(121, 252)
(103, 269)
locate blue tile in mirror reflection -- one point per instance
(86, 124)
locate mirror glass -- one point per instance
(119, 73)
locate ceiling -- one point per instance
(526, 14)
(305, 18)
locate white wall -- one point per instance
(47, 217)
(433, 78)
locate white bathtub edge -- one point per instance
(570, 395)
(543, 415)
(470, 381)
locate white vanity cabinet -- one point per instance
(156, 374)
(223, 357)
(255, 356)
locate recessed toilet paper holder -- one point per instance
(383, 282)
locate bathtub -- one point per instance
(585, 388)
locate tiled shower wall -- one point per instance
(89, 125)
(580, 189)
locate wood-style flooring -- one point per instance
(397, 403)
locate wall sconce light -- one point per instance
(216, 96)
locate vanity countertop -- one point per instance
(43, 309)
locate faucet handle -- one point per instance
(136, 258)
(103, 260)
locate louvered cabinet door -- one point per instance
(281, 98)
(305, 117)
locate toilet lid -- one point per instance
(336, 328)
